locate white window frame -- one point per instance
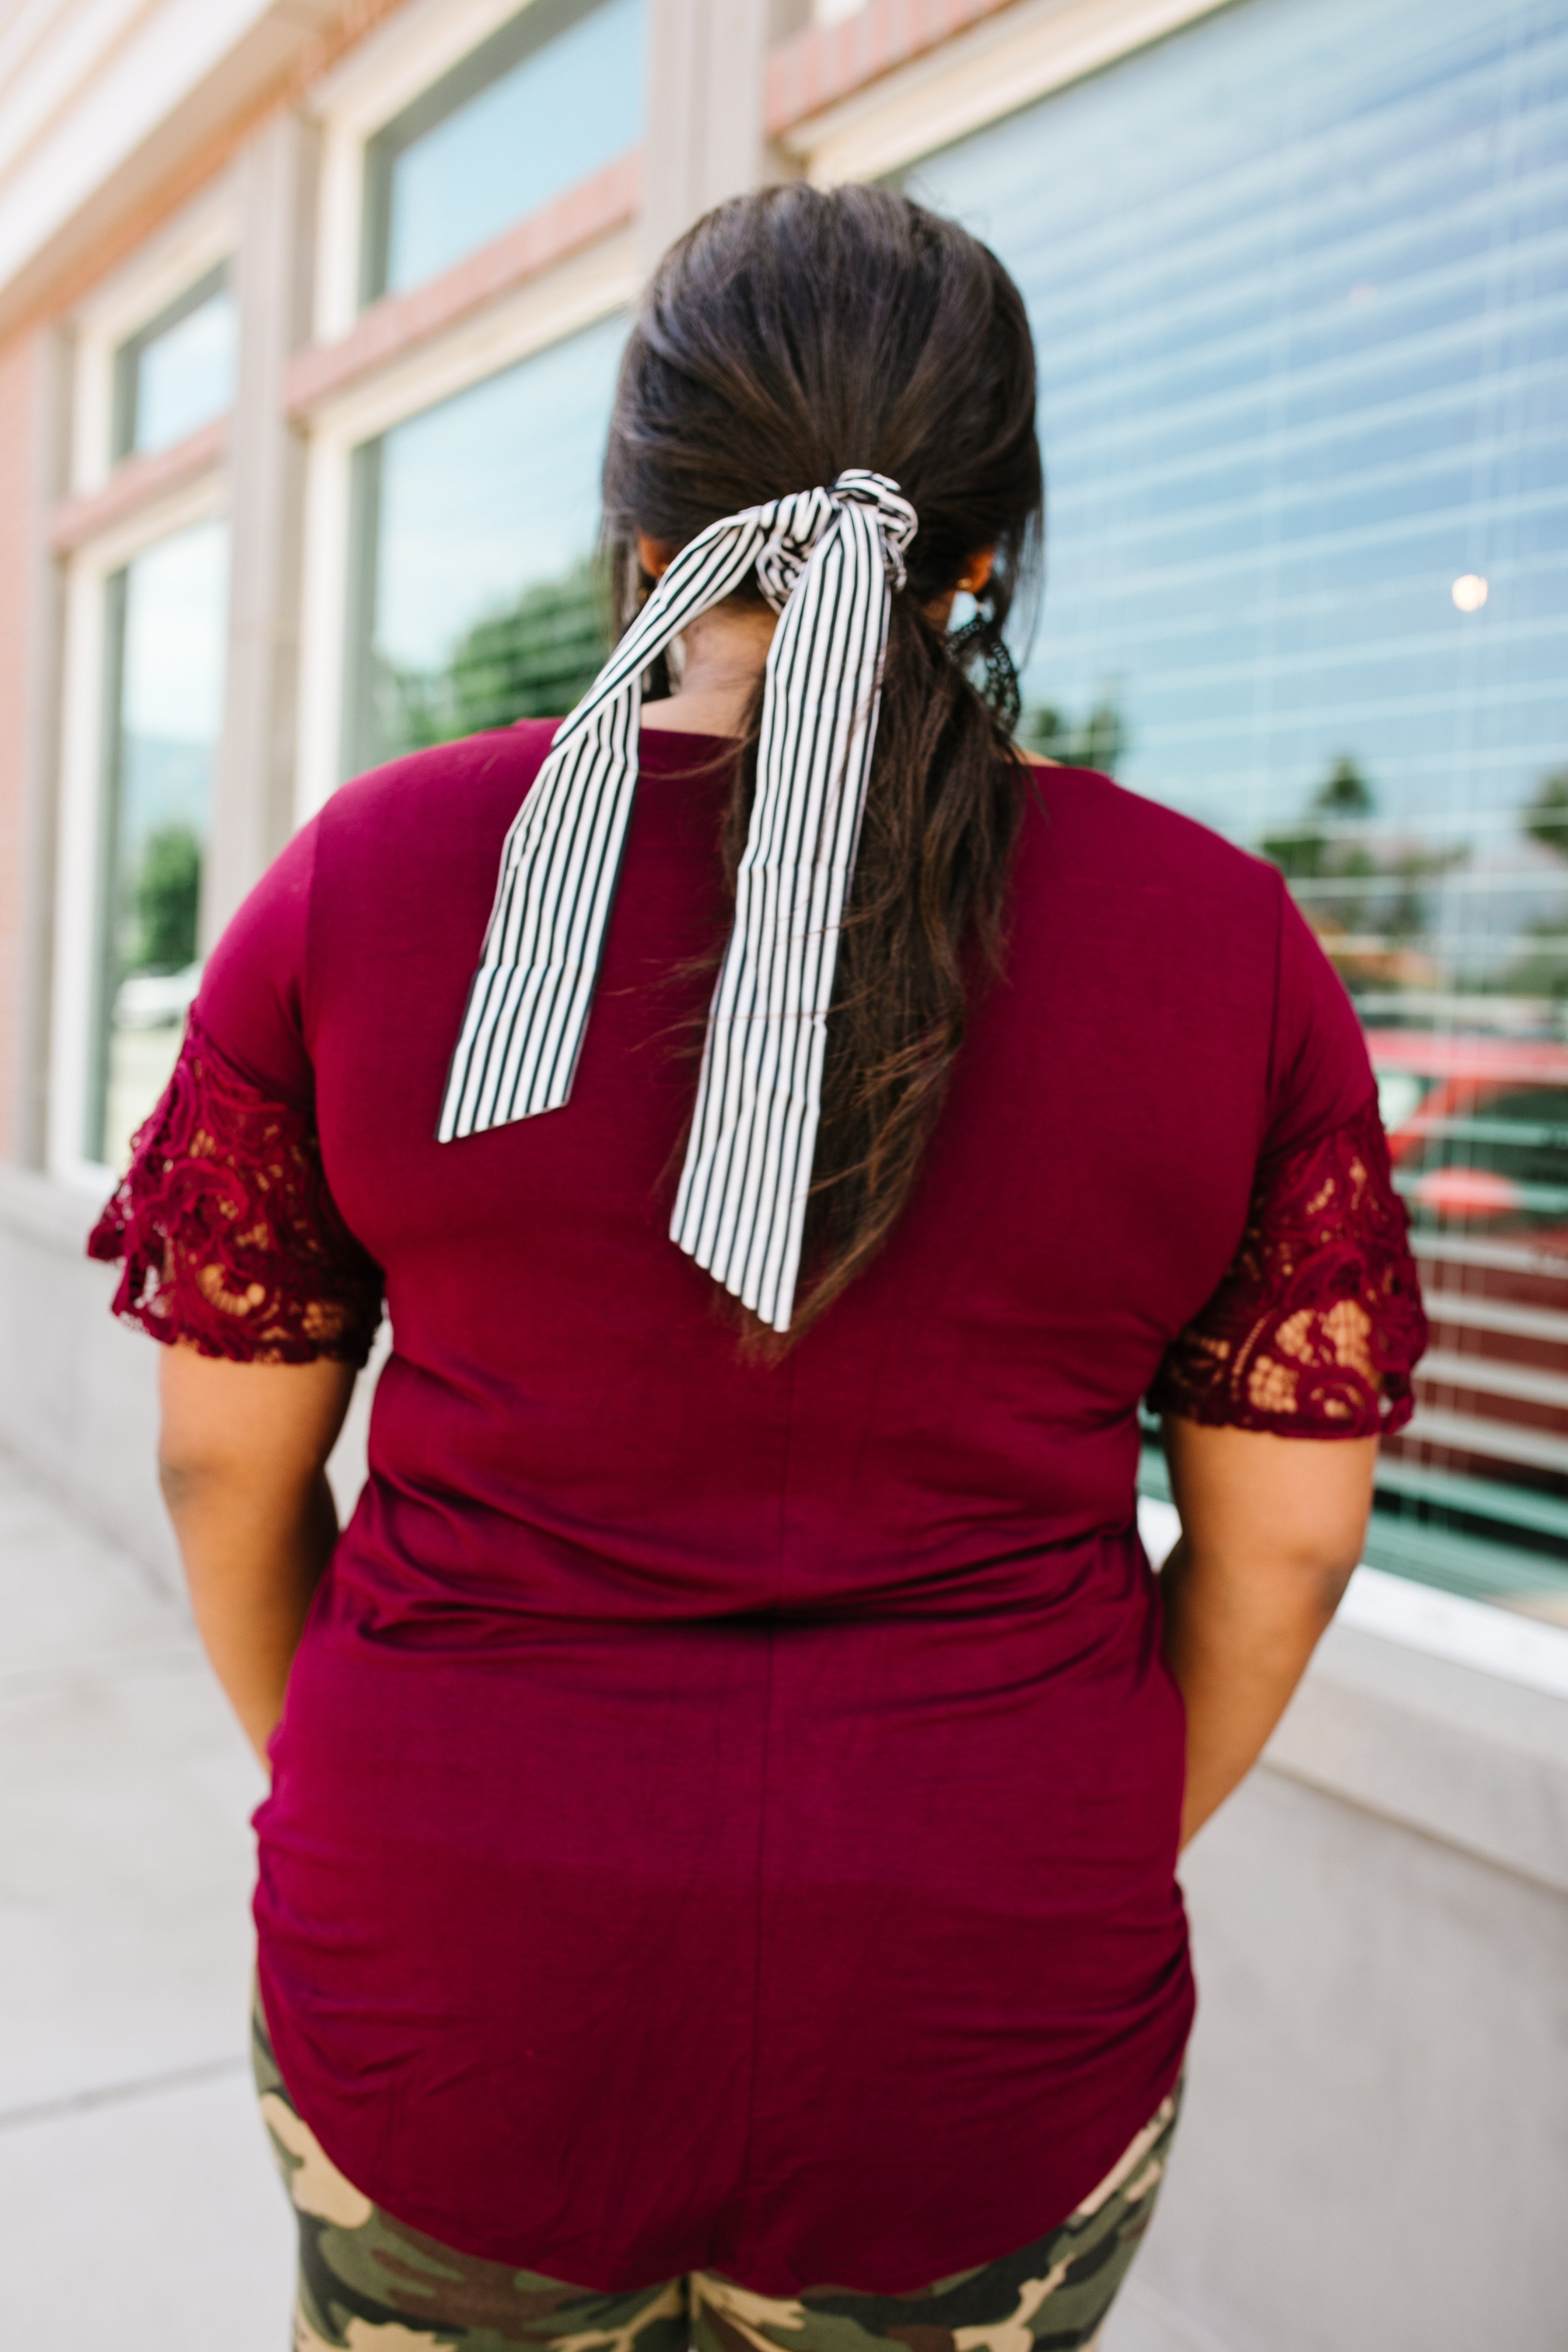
(575, 295)
(1004, 63)
(84, 720)
(383, 74)
(205, 235)
(200, 238)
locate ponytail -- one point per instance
(788, 336)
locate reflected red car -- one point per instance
(1478, 1128)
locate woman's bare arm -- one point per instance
(242, 1460)
(1272, 1529)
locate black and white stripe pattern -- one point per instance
(828, 560)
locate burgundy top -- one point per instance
(725, 1817)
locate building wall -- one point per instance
(1371, 2157)
(19, 433)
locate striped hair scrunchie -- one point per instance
(827, 560)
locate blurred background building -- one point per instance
(310, 316)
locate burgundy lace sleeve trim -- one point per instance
(1318, 1325)
(230, 1237)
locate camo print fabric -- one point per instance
(368, 2283)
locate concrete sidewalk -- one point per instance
(139, 2212)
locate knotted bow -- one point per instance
(827, 561)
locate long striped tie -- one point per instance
(827, 560)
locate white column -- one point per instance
(38, 620)
(254, 795)
(705, 137)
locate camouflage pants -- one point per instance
(368, 2283)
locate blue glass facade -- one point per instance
(1298, 278)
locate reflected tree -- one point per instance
(167, 894)
(1546, 817)
(1366, 895)
(1542, 970)
(533, 659)
(1316, 848)
(1097, 740)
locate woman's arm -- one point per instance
(1272, 1529)
(242, 1460)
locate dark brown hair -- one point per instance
(789, 335)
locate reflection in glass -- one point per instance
(474, 527)
(1296, 281)
(164, 705)
(554, 96)
(178, 373)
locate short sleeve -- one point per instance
(1317, 1325)
(223, 1222)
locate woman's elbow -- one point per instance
(189, 1476)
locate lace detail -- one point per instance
(230, 1237)
(1318, 1325)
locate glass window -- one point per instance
(1298, 283)
(164, 710)
(476, 600)
(178, 373)
(553, 96)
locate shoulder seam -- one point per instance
(307, 994)
(1270, 1076)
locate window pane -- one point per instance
(1297, 280)
(555, 96)
(475, 528)
(177, 373)
(166, 634)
